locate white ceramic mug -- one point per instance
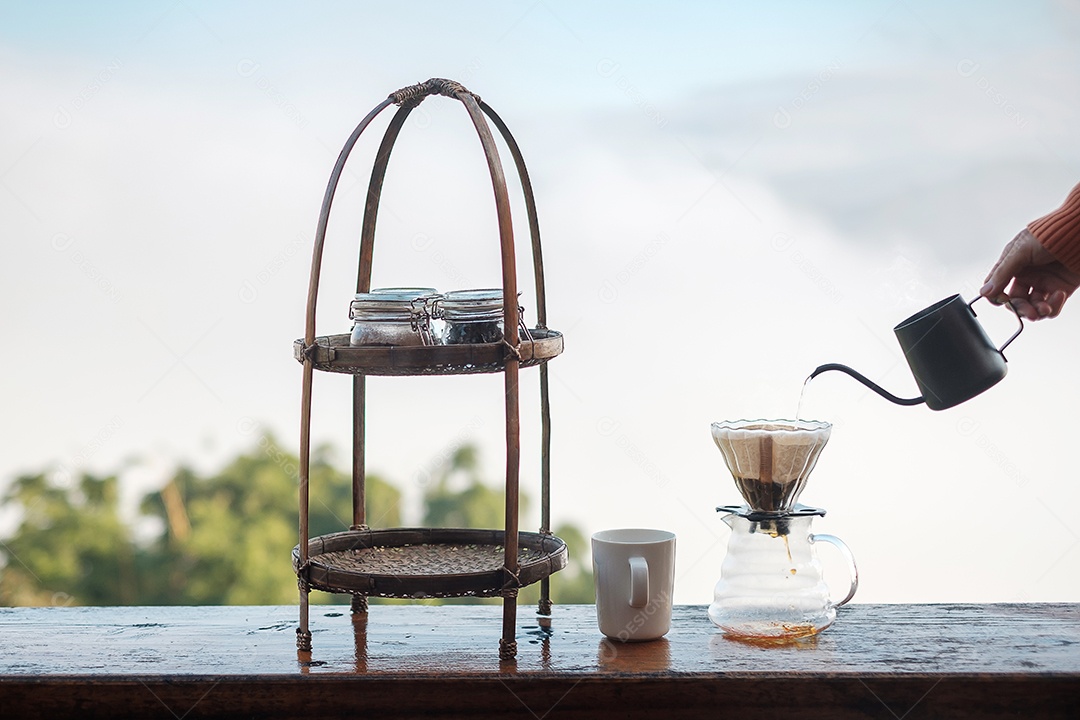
(634, 571)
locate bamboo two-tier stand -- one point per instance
(431, 562)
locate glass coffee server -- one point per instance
(431, 562)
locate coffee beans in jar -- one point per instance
(472, 316)
(393, 316)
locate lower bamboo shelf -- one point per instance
(426, 562)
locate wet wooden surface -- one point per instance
(887, 661)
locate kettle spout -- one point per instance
(867, 382)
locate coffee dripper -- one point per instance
(771, 586)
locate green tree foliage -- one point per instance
(473, 505)
(457, 497)
(574, 583)
(71, 545)
(224, 538)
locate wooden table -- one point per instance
(877, 661)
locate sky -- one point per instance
(729, 195)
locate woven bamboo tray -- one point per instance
(426, 562)
(334, 354)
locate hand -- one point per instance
(1040, 284)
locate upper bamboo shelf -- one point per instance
(334, 354)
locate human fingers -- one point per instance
(1024, 299)
(1025, 308)
(1055, 301)
(1021, 253)
(1004, 270)
(996, 280)
(1036, 305)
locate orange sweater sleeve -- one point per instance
(1059, 232)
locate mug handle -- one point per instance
(846, 552)
(1015, 311)
(639, 582)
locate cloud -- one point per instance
(946, 159)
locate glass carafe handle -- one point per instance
(846, 552)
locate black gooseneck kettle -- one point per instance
(949, 353)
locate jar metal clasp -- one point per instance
(420, 318)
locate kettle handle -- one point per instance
(1018, 317)
(846, 552)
